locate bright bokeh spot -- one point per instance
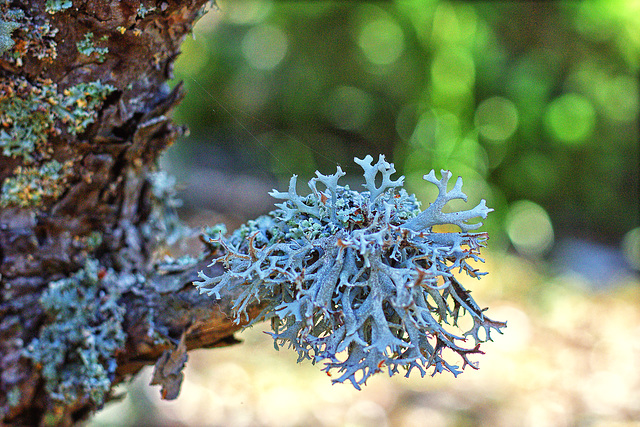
(453, 23)
(381, 41)
(247, 11)
(570, 119)
(437, 131)
(348, 107)
(453, 71)
(529, 228)
(264, 47)
(619, 98)
(496, 119)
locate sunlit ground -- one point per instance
(569, 356)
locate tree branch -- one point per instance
(84, 109)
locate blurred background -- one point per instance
(534, 104)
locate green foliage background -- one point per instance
(526, 100)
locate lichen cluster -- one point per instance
(55, 6)
(76, 349)
(87, 47)
(164, 224)
(6, 28)
(31, 113)
(359, 279)
(21, 35)
(29, 186)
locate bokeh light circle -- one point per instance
(496, 119)
(529, 228)
(619, 98)
(244, 12)
(264, 47)
(453, 71)
(381, 41)
(570, 119)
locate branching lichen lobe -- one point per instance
(360, 280)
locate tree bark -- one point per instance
(84, 105)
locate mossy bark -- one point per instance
(82, 128)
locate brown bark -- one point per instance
(98, 208)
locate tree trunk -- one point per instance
(84, 106)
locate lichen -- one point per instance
(54, 6)
(13, 397)
(31, 112)
(33, 36)
(93, 240)
(29, 186)
(76, 349)
(360, 280)
(87, 47)
(143, 10)
(80, 102)
(6, 28)
(164, 224)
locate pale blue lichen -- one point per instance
(360, 280)
(29, 186)
(13, 397)
(80, 103)
(36, 38)
(93, 240)
(30, 112)
(164, 225)
(76, 349)
(6, 28)
(87, 47)
(54, 6)
(143, 10)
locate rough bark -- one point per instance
(79, 214)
